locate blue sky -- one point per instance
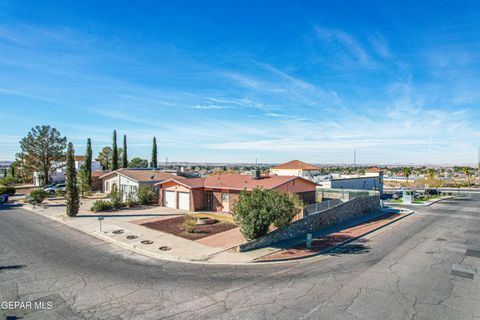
(240, 80)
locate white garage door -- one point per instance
(184, 200)
(170, 199)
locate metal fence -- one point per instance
(343, 194)
(320, 206)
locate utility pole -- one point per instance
(354, 158)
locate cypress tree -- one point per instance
(73, 202)
(154, 153)
(114, 152)
(88, 163)
(124, 153)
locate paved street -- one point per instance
(404, 272)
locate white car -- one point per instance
(52, 190)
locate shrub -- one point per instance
(37, 196)
(7, 190)
(7, 181)
(131, 200)
(116, 198)
(286, 206)
(59, 193)
(189, 224)
(101, 205)
(145, 195)
(255, 211)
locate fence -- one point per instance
(343, 194)
(355, 208)
(320, 206)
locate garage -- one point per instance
(169, 199)
(184, 200)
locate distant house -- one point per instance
(80, 160)
(374, 183)
(58, 176)
(296, 168)
(374, 172)
(129, 180)
(219, 192)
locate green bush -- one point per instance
(36, 196)
(145, 195)
(257, 210)
(7, 181)
(101, 205)
(131, 200)
(59, 193)
(116, 198)
(7, 190)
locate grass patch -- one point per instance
(397, 201)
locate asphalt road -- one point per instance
(403, 272)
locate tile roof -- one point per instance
(374, 170)
(236, 182)
(296, 164)
(144, 174)
(79, 158)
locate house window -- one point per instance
(225, 196)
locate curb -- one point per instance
(204, 261)
(135, 249)
(330, 249)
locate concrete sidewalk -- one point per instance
(123, 228)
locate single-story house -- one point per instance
(296, 168)
(129, 180)
(219, 192)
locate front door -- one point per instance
(209, 200)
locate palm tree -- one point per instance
(431, 173)
(407, 172)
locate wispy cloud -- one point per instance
(26, 95)
(346, 43)
(212, 107)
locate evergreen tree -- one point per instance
(114, 152)
(43, 149)
(73, 201)
(88, 163)
(124, 153)
(154, 153)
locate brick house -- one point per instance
(219, 192)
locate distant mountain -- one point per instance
(5, 164)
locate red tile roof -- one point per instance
(99, 173)
(296, 164)
(235, 182)
(374, 170)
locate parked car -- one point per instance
(52, 190)
(432, 192)
(396, 195)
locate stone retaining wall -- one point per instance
(346, 211)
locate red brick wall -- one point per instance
(197, 199)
